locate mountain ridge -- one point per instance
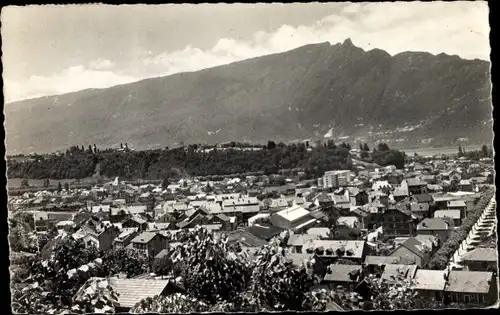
(298, 94)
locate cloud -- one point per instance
(459, 28)
(72, 79)
(432, 27)
(101, 64)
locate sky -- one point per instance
(56, 49)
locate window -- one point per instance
(467, 298)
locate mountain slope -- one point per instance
(298, 94)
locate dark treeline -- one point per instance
(485, 152)
(193, 160)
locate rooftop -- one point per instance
(391, 271)
(144, 237)
(341, 273)
(293, 213)
(433, 224)
(131, 291)
(469, 281)
(481, 254)
(429, 280)
(453, 214)
(381, 260)
(355, 248)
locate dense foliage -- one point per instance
(194, 160)
(383, 156)
(441, 258)
(214, 275)
(22, 235)
(41, 285)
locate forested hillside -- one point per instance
(303, 93)
(193, 160)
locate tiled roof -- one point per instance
(300, 239)
(144, 237)
(469, 281)
(341, 273)
(393, 270)
(429, 280)
(481, 254)
(293, 213)
(264, 232)
(131, 291)
(246, 238)
(381, 260)
(330, 247)
(421, 198)
(454, 214)
(433, 224)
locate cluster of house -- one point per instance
(389, 219)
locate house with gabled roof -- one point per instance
(412, 252)
(136, 221)
(471, 287)
(439, 227)
(454, 215)
(97, 234)
(481, 259)
(132, 291)
(297, 241)
(293, 218)
(416, 186)
(347, 276)
(394, 272)
(332, 250)
(398, 221)
(125, 237)
(149, 243)
(429, 284)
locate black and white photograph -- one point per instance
(194, 158)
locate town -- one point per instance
(425, 230)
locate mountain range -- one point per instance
(312, 92)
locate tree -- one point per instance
(366, 148)
(485, 151)
(277, 284)
(175, 303)
(101, 294)
(165, 183)
(121, 145)
(271, 145)
(211, 273)
(124, 260)
(163, 266)
(59, 187)
(383, 147)
(66, 186)
(24, 183)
